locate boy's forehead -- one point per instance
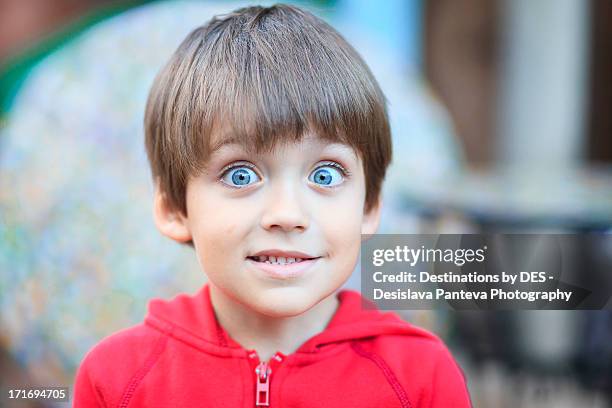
(228, 140)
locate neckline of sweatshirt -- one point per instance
(191, 320)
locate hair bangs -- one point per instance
(265, 92)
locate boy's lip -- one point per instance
(283, 271)
(283, 253)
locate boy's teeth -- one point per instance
(279, 260)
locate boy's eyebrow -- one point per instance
(233, 140)
(217, 145)
(342, 147)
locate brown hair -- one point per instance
(271, 74)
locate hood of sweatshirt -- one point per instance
(191, 319)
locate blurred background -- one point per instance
(501, 119)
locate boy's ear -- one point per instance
(371, 219)
(169, 222)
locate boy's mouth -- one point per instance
(278, 260)
(276, 257)
(282, 265)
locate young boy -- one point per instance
(268, 140)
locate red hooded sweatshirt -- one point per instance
(181, 357)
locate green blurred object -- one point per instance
(14, 71)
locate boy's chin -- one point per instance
(285, 303)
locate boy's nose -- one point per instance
(284, 211)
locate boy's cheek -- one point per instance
(229, 229)
(343, 215)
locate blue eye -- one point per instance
(328, 176)
(241, 176)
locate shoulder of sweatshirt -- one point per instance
(422, 364)
(423, 353)
(111, 365)
(417, 344)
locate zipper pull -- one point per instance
(262, 393)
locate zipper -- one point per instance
(263, 375)
(262, 391)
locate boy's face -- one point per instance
(302, 200)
